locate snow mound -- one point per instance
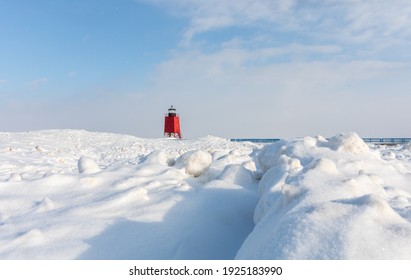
(87, 166)
(195, 162)
(46, 205)
(15, 177)
(159, 157)
(348, 142)
(237, 174)
(408, 146)
(323, 199)
(324, 165)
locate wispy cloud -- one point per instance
(214, 14)
(260, 84)
(237, 67)
(373, 23)
(37, 83)
(72, 74)
(86, 38)
(284, 99)
(294, 67)
(2, 82)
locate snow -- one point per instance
(87, 166)
(70, 194)
(331, 199)
(195, 162)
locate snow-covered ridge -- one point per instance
(335, 199)
(69, 194)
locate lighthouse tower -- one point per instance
(172, 124)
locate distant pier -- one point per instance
(256, 140)
(387, 141)
(381, 141)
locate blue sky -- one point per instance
(233, 68)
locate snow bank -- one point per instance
(69, 194)
(330, 199)
(136, 203)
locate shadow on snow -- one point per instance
(209, 223)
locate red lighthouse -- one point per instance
(172, 124)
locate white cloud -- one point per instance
(382, 18)
(289, 68)
(2, 82)
(37, 83)
(373, 23)
(225, 93)
(214, 14)
(260, 85)
(72, 74)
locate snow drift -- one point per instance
(330, 199)
(68, 194)
(87, 195)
